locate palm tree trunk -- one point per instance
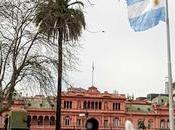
(59, 87)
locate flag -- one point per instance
(145, 14)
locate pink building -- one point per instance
(90, 108)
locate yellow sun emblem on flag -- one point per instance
(156, 2)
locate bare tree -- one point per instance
(27, 58)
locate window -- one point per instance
(150, 124)
(92, 105)
(140, 124)
(29, 121)
(96, 105)
(138, 108)
(105, 123)
(113, 106)
(88, 105)
(52, 105)
(46, 120)
(52, 120)
(84, 105)
(116, 122)
(100, 105)
(168, 124)
(40, 120)
(34, 120)
(162, 100)
(78, 122)
(67, 121)
(67, 104)
(116, 106)
(162, 123)
(70, 104)
(149, 109)
(64, 104)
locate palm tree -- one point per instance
(62, 20)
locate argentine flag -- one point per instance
(145, 14)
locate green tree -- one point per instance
(62, 20)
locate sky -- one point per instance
(125, 61)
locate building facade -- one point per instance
(90, 108)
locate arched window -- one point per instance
(67, 121)
(84, 105)
(106, 122)
(46, 120)
(89, 105)
(116, 122)
(113, 106)
(64, 104)
(168, 124)
(162, 123)
(100, 105)
(52, 120)
(29, 117)
(34, 120)
(78, 122)
(40, 120)
(67, 104)
(140, 124)
(118, 106)
(92, 105)
(150, 124)
(96, 105)
(28, 121)
(70, 104)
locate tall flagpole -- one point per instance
(171, 110)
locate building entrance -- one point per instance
(92, 124)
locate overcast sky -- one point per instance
(125, 61)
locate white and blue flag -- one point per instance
(145, 14)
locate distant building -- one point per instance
(90, 108)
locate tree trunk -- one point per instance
(59, 87)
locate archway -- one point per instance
(92, 124)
